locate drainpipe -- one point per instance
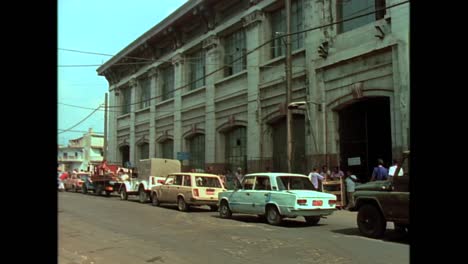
(325, 136)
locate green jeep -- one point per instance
(380, 202)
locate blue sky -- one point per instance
(98, 26)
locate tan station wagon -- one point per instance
(186, 189)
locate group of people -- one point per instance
(379, 173)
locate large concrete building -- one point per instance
(81, 153)
(209, 80)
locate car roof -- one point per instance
(194, 174)
(274, 174)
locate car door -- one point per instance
(240, 200)
(260, 194)
(174, 189)
(164, 190)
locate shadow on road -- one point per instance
(286, 223)
(390, 235)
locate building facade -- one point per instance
(81, 153)
(209, 81)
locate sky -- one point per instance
(95, 26)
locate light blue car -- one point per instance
(277, 196)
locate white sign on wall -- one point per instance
(354, 161)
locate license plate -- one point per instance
(210, 191)
(317, 202)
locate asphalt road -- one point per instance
(95, 230)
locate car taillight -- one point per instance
(302, 202)
(195, 192)
(317, 202)
(331, 202)
(161, 181)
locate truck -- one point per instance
(379, 202)
(147, 174)
(103, 179)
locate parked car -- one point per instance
(277, 196)
(74, 182)
(188, 189)
(379, 202)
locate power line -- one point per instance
(77, 106)
(81, 131)
(103, 54)
(66, 130)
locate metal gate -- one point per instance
(236, 149)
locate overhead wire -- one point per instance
(84, 119)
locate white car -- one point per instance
(277, 196)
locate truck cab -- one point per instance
(379, 202)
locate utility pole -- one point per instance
(105, 127)
(288, 85)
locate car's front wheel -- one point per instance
(272, 215)
(370, 221)
(224, 211)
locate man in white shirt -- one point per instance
(350, 181)
(315, 177)
(392, 169)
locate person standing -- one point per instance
(315, 177)
(392, 169)
(350, 181)
(379, 173)
(325, 172)
(336, 174)
(239, 174)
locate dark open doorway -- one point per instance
(365, 135)
(125, 154)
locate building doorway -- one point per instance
(236, 149)
(365, 136)
(124, 155)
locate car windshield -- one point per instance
(203, 181)
(294, 183)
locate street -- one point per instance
(96, 230)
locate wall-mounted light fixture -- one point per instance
(381, 34)
(323, 49)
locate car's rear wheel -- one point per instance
(370, 221)
(312, 220)
(224, 211)
(143, 197)
(123, 193)
(155, 200)
(182, 205)
(272, 215)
